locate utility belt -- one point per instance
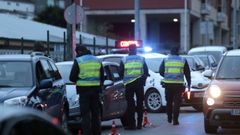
(167, 85)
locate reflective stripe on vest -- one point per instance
(174, 66)
(89, 74)
(133, 68)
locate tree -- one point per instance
(52, 15)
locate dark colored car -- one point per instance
(113, 99)
(25, 121)
(221, 103)
(33, 81)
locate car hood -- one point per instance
(198, 81)
(228, 85)
(72, 96)
(6, 93)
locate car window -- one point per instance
(107, 73)
(16, 76)
(65, 72)
(47, 69)
(212, 61)
(113, 59)
(56, 73)
(216, 54)
(191, 63)
(114, 71)
(205, 60)
(229, 68)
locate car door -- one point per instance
(51, 97)
(112, 97)
(119, 88)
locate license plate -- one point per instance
(198, 95)
(235, 112)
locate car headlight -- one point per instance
(215, 91)
(20, 101)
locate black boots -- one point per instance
(169, 119)
(175, 122)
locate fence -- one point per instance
(56, 50)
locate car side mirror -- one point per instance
(46, 83)
(107, 83)
(208, 73)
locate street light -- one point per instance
(175, 20)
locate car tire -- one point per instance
(208, 128)
(198, 108)
(153, 101)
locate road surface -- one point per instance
(191, 123)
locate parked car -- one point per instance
(113, 99)
(199, 83)
(154, 92)
(209, 61)
(222, 97)
(216, 51)
(26, 121)
(33, 81)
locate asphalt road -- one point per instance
(191, 123)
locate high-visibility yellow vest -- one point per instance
(133, 68)
(174, 66)
(89, 74)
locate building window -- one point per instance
(17, 4)
(9, 3)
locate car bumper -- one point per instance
(74, 119)
(224, 117)
(196, 98)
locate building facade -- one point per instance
(188, 23)
(20, 8)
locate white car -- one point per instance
(216, 51)
(199, 83)
(154, 92)
(113, 101)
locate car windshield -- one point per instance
(16, 74)
(229, 68)
(205, 60)
(154, 63)
(216, 54)
(65, 72)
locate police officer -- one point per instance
(87, 72)
(173, 69)
(134, 71)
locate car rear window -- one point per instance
(16, 74)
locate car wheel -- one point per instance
(153, 101)
(208, 128)
(199, 108)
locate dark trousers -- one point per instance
(90, 110)
(173, 98)
(135, 87)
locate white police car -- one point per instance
(154, 92)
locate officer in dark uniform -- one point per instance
(134, 71)
(173, 69)
(88, 74)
